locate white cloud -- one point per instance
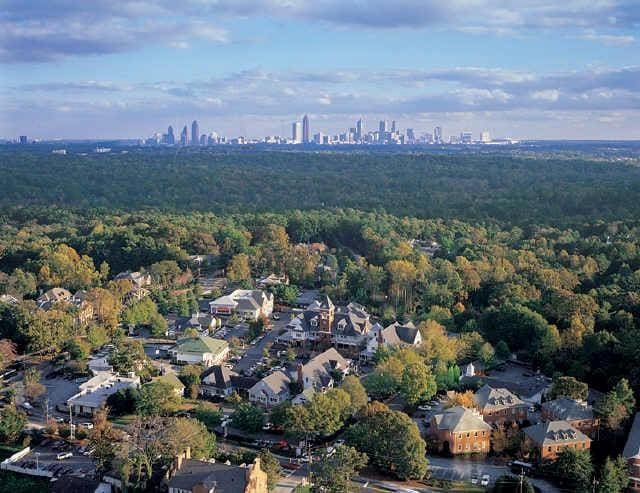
(546, 95)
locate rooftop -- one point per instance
(568, 409)
(632, 447)
(201, 344)
(555, 432)
(460, 419)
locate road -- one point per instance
(254, 353)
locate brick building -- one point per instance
(459, 430)
(550, 438)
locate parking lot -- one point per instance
(44, 457)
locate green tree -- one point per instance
(617, 405)
(12, 422)
(270, 464)
(380, 384)
(184, 432)
(248, 417)
(614, 477)
(127, 355)
(512, 484)
(357, 393)
(190, 377)
(574, 469)
(209, 414)
(157, 399)
(391, 440)
(417, 384)
(568, 387)
(238, 268)
(333, 473)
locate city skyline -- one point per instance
(115, 69)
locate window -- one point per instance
(475, 434)
(468, 435)
(459, 447)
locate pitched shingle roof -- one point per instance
(460, 419)
(555, 432)
(221, 477)
(568, 409)
(220, 376)
(488, 399)
(632, 447)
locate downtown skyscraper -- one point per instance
(296, 132)
(195, 133)
(305, 130)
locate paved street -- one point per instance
(254, 353)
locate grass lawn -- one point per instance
(124, 420)
(459, 486)
(8, 450)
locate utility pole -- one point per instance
(71, 436)
(46, 410)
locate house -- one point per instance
(551, 437)
(319, 372)
(304, 397)
(187, 475)
(247, 303)
(631, 453)
(500, 406)
(8, 299)
(322, 322)
(202, 350)
(577, 413)
(217, 381)
(394, 335)
(93, 393)
(55, 295)
(138, 279)
(459, 430)
(472, 369)
(271, 390)
(83, 307)
(201, 322)
(172, 379)
(75, 484)
(271, 280)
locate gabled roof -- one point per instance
(218, 376)
(244, 299)
(398, 334)
(217, 476)
(277, 382)
(170, 378)
(460, 419)
(555, 432)
(487, 398)
(201, 344)
(318, 369)
(632, 447)
(568, 409)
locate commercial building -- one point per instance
(459, 430)
(202, 350)
(500, 406)
(305, 130)
(247, 303)
(550, 438)
(296, 132)
(577, 413)
(93, 394)
(195, 133)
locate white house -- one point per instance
(271, 390)
(200, 350)
(247, 303)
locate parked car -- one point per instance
(424, 407)
(86, 426)
(485, 480)
(64, 455)
(276, 316)
(474, 479)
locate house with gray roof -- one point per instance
(217, 380)
(188, 475)
(394, 335)
(631, 453)
(459, 430)
(500, 405)
(53, 296)
(551, 437)
(271, 390)
(318, 372)
(344, 327)
(250, 304)
(576, 412)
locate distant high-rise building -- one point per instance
(171, 138)
(195, 133)
(437, 135)
(393, 126)
(466, 137)
(203, 140)
(184, 136)
(359, 130)
(296, 132)
(23, 139)
(411, 137)
(319, 138)
(383, 126)
(485, 136)
(305, 130)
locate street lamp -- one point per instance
(37, 462)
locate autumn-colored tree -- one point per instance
(238, 268)
(464, 399)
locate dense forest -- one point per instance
(507, 189)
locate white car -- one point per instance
(64, 455)
(87, 426)
(474, 479)
(485, 480)
(424, 407)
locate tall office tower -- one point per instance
(437, 135)
(466, 137)
(383, 126)
(305, 130)
(203, 140)
(195, 133)
(485, 136)
(171, 138)
(393, 126)
(23, 139)
(319, 138)
(296, 132)
(184, 136)
(411, 137)
(359, 130)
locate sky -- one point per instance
(530, 69)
